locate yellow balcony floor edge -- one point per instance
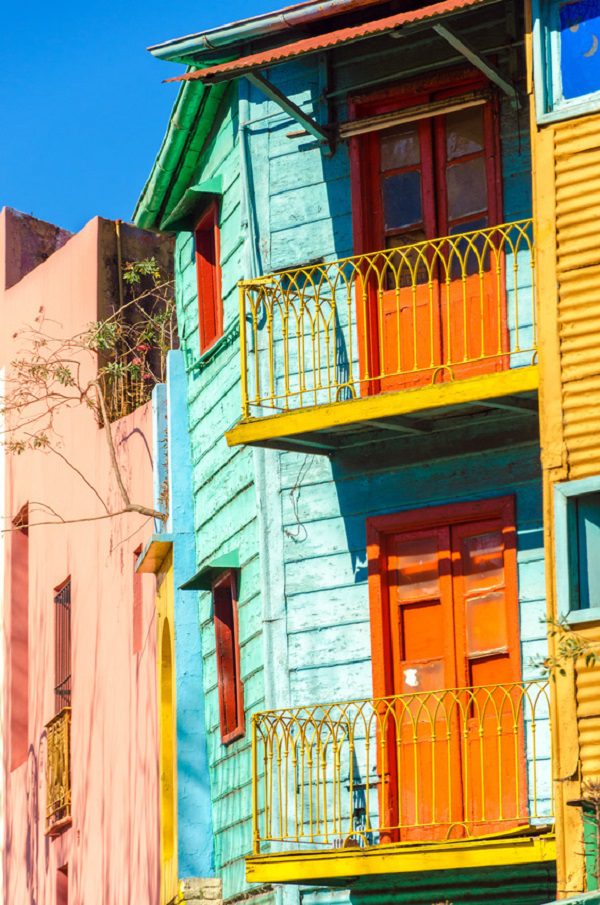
(400, 858)
(385, 405)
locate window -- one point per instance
(62, 645)
(577, 540)
(19, 638)
(62, 885)
(208, 272)
(231, 690)
(137, 605)
(567, 57)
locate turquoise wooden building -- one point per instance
(350, 187)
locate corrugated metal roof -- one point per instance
(225, 71)
(263, 25)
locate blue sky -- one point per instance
(82, 101)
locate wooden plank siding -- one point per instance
(303, 212)
(224, 501)
(325, 556)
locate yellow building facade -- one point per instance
(564, 87)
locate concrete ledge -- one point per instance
(201, 889)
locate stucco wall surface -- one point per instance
(111, 849)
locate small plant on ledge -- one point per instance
(110, 369)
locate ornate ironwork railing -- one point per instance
(433, 311)
(58, 771)
(438, 765)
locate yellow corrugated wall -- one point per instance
(588, 720)
(577, 186)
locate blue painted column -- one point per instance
(173, 469)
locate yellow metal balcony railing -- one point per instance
(434, 311)
(58, 771)
(439, 765)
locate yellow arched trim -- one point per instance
(168, 747)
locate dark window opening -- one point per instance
(62, 646)
(585, 558)
(62, 885)
(137, 605)
(19, 638)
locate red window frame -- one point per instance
(207, 239)
(367, 201)
(230, 685)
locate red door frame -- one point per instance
(366, 204)
(379, 529)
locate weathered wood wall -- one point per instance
(302, 211)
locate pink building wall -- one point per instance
(111, 850)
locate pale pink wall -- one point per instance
(112, 848)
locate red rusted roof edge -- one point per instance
(224, 71)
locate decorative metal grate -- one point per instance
(58, 771)
(435, 311)
(449, 764)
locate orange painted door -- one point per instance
(455, 762)
(438, 303)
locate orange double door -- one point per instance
(446, 641)
(441, 304)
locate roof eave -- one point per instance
(179, 153)
(189, 47)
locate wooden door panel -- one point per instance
(423, 736)
(485, 597)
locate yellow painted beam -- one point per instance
(341, 864)
(153, 555)
(384, 405)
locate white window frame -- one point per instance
(565, 494)
(550, 104)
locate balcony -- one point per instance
(58, 772)
(452, 779)
(335, 352)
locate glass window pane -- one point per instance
(487, 632)
(588, 533)
(417, 565)
(410, 265)
(464, 132)
(402, 199)
(483, 561)
(467, 188)
(579, 47)
(400, 148)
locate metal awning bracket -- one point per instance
(321, 133)
(477, 60)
